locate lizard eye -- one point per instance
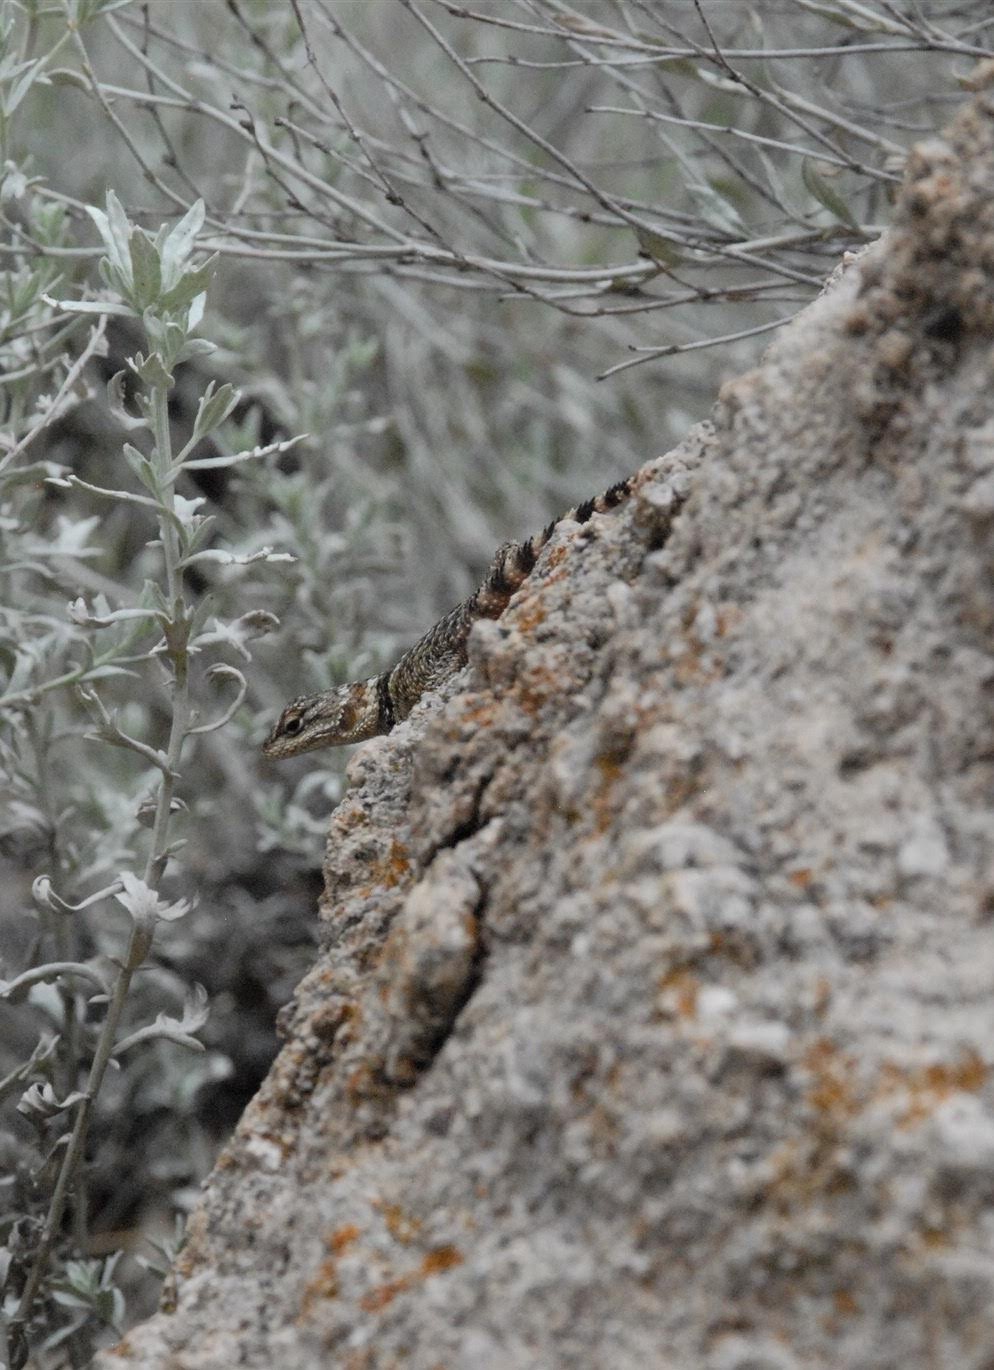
(293, 725)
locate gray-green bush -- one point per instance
(163, 640)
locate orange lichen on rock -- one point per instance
(926, 1087)
(434, 1262)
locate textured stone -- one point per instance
(654, 1021)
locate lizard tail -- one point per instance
(514, 561)
(442, 650)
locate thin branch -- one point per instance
(674, 349)
(54, 407)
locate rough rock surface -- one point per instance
(655, 1022)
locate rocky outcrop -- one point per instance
(655, 1021)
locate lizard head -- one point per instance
(349, 713)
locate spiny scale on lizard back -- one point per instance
(367, 708)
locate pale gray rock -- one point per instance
(654, 1022)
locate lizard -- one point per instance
(370, 708)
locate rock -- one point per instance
(653, 1019)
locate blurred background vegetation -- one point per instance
(489, 258)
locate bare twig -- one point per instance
(54, 407)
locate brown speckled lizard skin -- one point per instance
(367, 708)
